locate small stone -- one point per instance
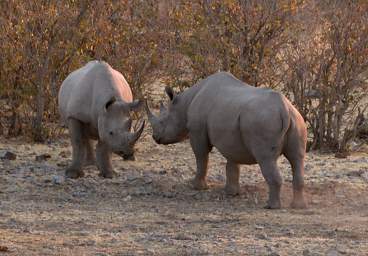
(43, 157)
(64, 154)
(308, 167)
(289, 232)
(364, 175)
(8, 156)
(4, 248)
(127, 198)
(308, 252)
(57, 180)
(274, 253)
(79, 194)
(342, 154)
(62, 164)
(47, 180)
(355, 173)
(259, 227)
(168, 194)
(263, 236)
(342, 250)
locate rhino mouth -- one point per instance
(130, 157)
(126, 157)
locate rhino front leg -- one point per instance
(90, 153)
(103, 157)
(232, 178)
(273, 178)
(201, 150)
(78, 146)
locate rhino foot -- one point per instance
(90, 162)
(74, 173)
(273, 205)
(199, 184)
(232, 190)
(298, 204)
(108, 175)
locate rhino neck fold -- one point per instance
(187, 97)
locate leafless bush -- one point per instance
(314, 50)
(326, 72)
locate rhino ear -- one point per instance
(170, 92)
(135, 105)
(109, 103)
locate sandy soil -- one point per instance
(150, 208)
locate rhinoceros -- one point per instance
(95, 102)
(247, 125)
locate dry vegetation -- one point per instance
(314, 51)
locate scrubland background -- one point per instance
(314, 51)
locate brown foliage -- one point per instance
(313, 50)
(326, 71)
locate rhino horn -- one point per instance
(135, 135)
(162, 107)
(151, 116)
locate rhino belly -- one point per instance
(230, 145)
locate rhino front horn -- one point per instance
(135, 136)
(151, 116)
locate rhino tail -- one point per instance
(285, 121)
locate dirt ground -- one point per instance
(150, 208)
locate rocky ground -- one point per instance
(150, 208)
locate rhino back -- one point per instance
(85, 91)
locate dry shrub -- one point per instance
(313, 50)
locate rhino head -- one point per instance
(170, 126)
(114, 127)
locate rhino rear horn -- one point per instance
(151, 116)
(162, 107)
(170, 92)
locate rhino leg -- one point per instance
(90, 153)
(232, 178)
(294, 151)
(201, 150)
(295, 155)
(103, 157)
(298, 184)
(273, 178)
(78, 146)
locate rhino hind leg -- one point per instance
(74, 171)
(294, 151)
(232, 178)
(297, 165)
(271, 173)
(201, 150)
(298, 185)
(103, 159)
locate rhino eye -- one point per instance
(111, 133)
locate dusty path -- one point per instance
(150, 209)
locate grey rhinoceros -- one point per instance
(248, 125)
(95, 103)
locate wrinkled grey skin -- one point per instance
(95, 103)
(248, 125)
